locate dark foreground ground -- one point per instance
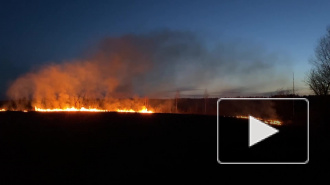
(103, 147)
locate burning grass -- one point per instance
(129, 105)
(82, 109)
(268, 121)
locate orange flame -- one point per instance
(82, 109)
(1, 110)
(72, 109)
(143, 110)
(268, 121)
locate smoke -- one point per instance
(143, 65)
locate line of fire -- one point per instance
(267, 112)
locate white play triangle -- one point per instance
(259, 131)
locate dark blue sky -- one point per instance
(36, 32)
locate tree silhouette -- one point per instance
(318, 78)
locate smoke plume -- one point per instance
(121, 68)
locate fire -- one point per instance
(143, 110)
(242, 117)
(125, 110)
(72, 109)
(268, 121)
(82, 109)
(1, 110)
(273, 122)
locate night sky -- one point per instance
(283, 33)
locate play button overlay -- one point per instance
(262, 131)
(259, 131)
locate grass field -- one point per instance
(115, 146)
